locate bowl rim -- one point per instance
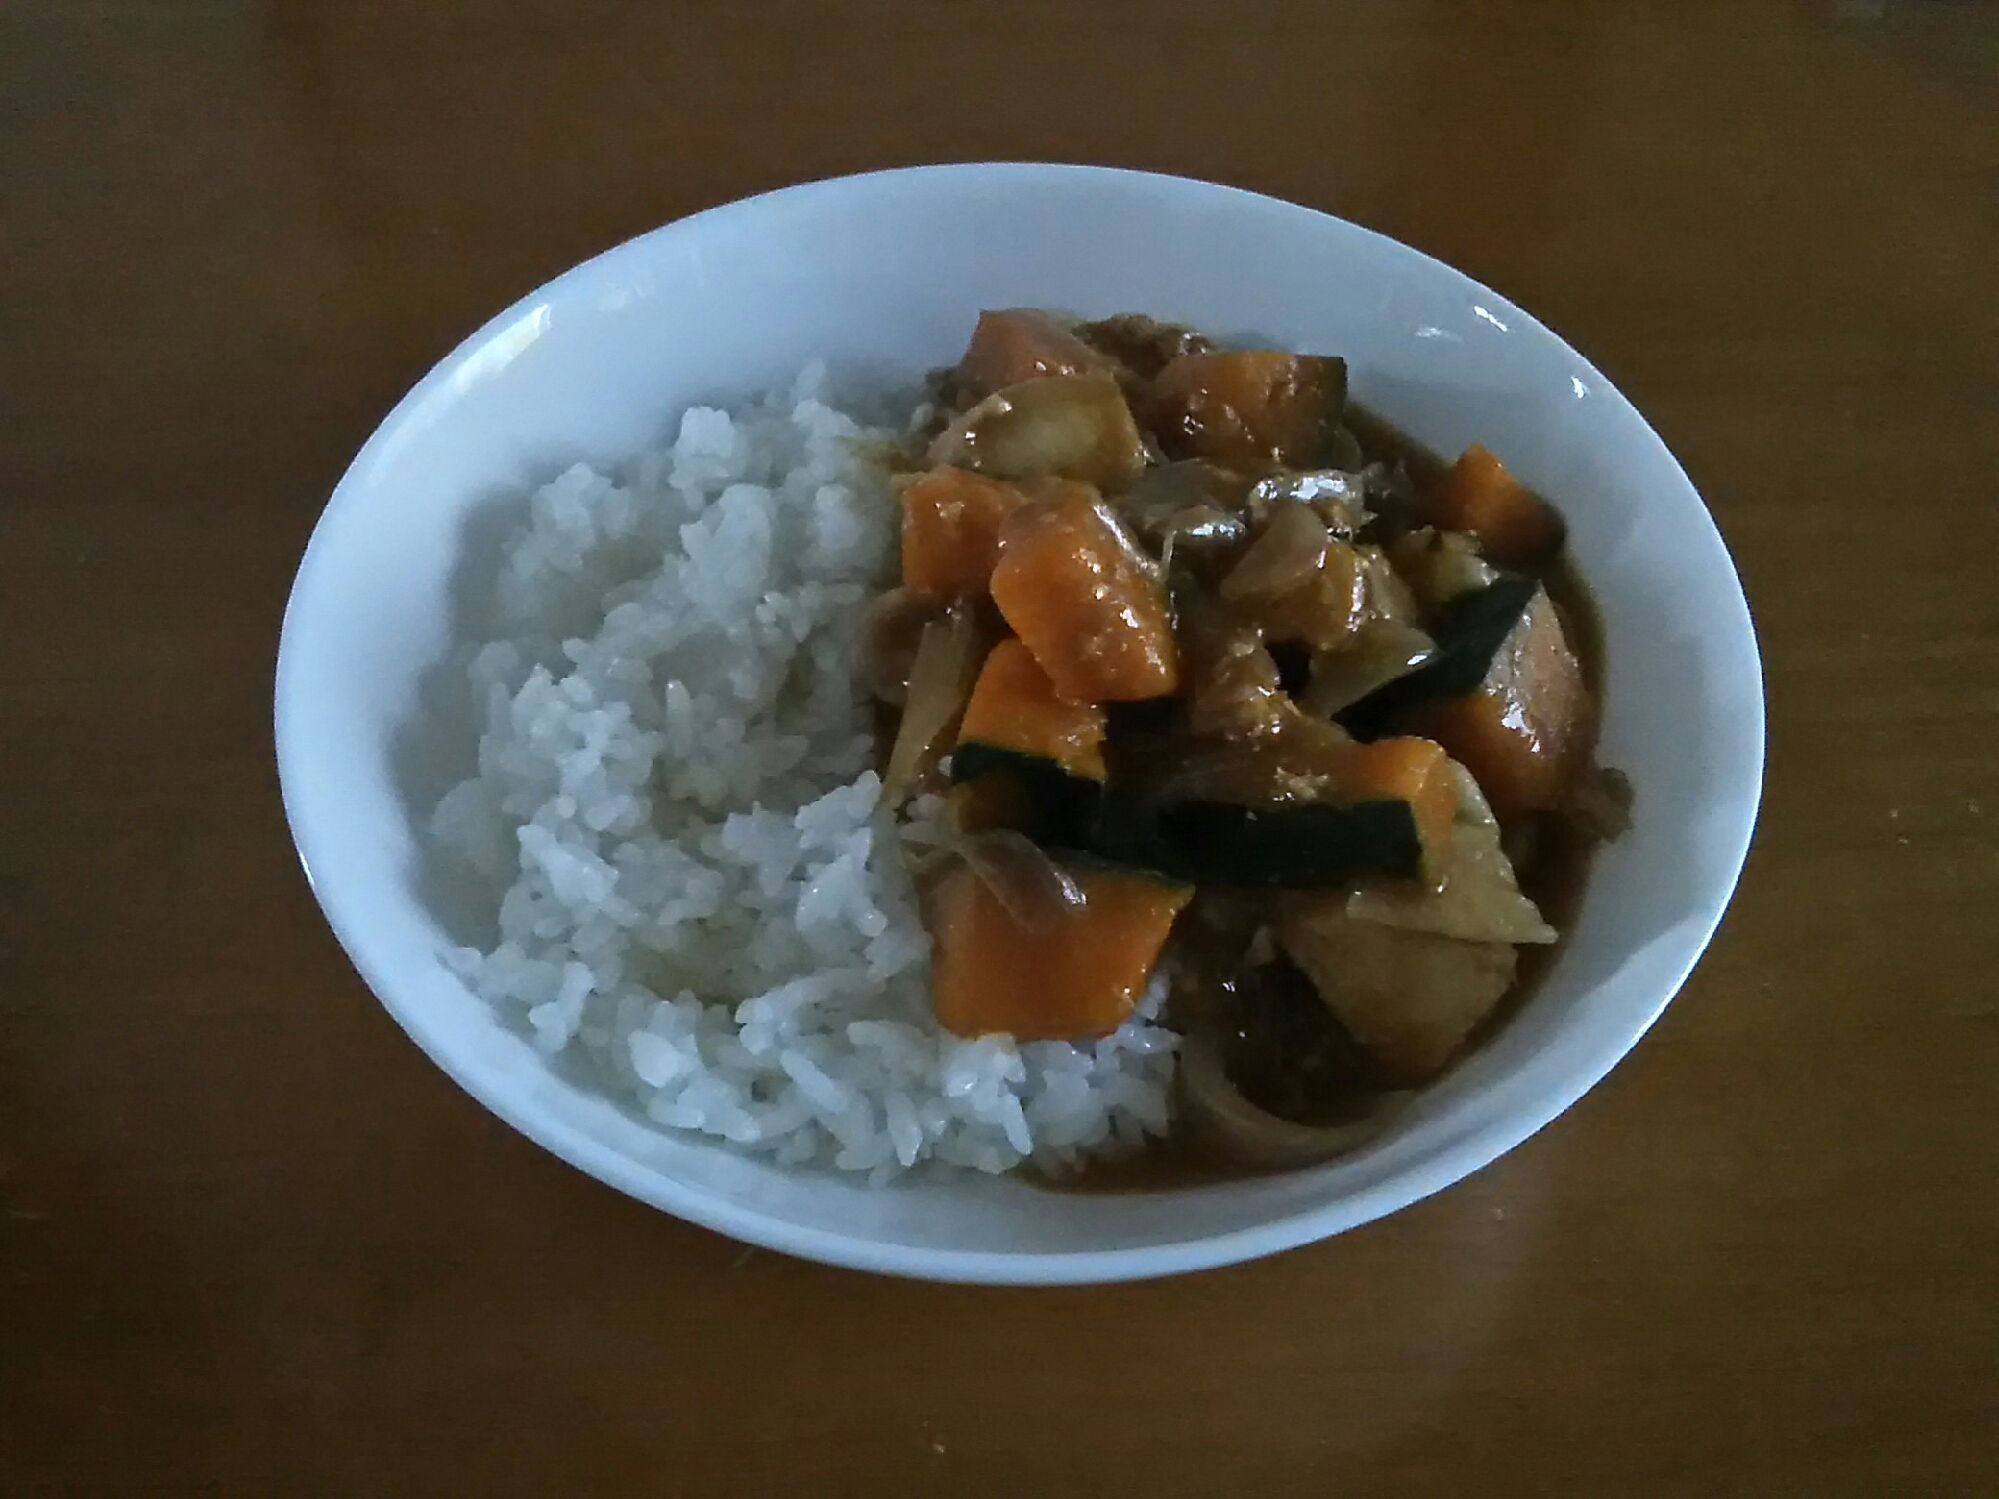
(1468, 1152)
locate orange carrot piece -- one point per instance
(950, 532)
(1080, 597)
(1018, 343)
(1481, 496)
(1079, 977)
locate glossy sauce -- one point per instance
(1553, 876)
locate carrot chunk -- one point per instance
(1018, 343)
(1080, 596)
(1078, 976)
(950, 532)
(1481, 496)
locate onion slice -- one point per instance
(1380, 652)
(1286, 555)
(1031, 887)
(891, 632)
(1050, 426)
(948, 657)
(1236, 1130)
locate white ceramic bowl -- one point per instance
(888, 271)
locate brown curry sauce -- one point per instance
(1552, 873)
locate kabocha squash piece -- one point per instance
(1249, 406)
(1381, 811)
(989, 801)
(1470, 632)
(950, 533)
(1015, 712)
(1013, 344)
(1037, 760)
(1077, 976)
(1526, 733)
(1415, 773)
(1050, 427)
(1082, 598)
(1479, 898)
(1481, 496)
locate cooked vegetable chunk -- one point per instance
(1477, 899)
(1380, 811)
(1015, 710)
(950, 533)
(1470, 633)
(948, 654)
(1077, 976)
(1084, 601)
(1296, 583)
(1020, 343)
(1194, 507)
(1250, 406)
(1017, 731)
(1527, 731)
(1052, 426)
(1409, 997)
(1480, 495)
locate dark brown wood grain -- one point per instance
(252, 1242)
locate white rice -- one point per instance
(696, 892)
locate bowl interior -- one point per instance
(883, 275)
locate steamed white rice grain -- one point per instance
(694, 885)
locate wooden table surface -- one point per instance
(253, 1242)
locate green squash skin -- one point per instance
(1292, 846)
(1063, 807)
(1469, 632)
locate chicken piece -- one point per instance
(1195, 508)
(1440, 566)
(1339, 498)
(1409, 998)
(1298, 584)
